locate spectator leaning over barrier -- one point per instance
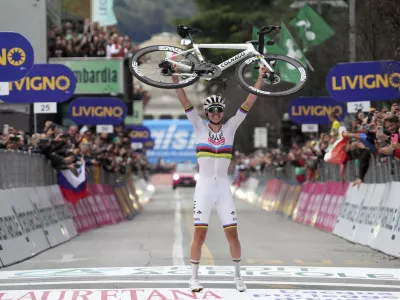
(395, 109)
(360, 147)
(335, 124)
(391, 137)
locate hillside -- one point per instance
(142, 18)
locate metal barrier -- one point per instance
(378, 172)
(24, 169)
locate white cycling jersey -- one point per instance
(214, 150)
(214, 153)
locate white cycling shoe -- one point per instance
(240, 286)
(195, 285)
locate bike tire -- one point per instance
(252, 90)
(134, 67)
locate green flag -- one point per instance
(311, 28)
(288, 72)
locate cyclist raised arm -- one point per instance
(181, 94)
(237, 119)
(251, 98)
(190, 111)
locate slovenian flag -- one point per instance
(336, 153)
(74, 188)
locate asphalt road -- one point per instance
(150, 254)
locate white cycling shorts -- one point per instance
(211, 191)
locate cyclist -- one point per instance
(214, 152)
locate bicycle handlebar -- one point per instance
(268, 29)
(263, 31)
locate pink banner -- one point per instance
(319, 204)
(83, 221)
(322, 215)
(314, 204)
(96, 204)
(336, 203)
(331, 204)
(114, 204)
(88, 214)
(108, 205)
(99, 209)
(299, 213)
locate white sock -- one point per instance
(195, 268)
(236, 263)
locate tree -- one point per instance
(232, 21)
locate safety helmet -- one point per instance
(213, 101)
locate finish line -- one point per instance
(182, 294)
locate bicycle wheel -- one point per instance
(288, 78)
(149, 66)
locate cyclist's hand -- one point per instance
(357, 183)
(174, 77)
(262, 71)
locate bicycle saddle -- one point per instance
(184, 30)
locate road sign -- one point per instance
(353, 107)
(309, 128)
(4, 89)
(104, 128)
(260, 137)
(45, 108)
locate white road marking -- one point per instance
(299, 283)
(177, 248)
(66, 258)
(344, 273)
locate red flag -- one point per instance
(337, 154)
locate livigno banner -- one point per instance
(315, 110)
(364, 81)
(44, 83)
(16, 56)
(95, 75)
(97, 111)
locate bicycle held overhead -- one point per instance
(154, 65)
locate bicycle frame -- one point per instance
(247, 47)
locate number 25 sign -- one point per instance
(354, 107)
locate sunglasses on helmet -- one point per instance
(215, 109)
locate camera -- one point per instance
(366, 127)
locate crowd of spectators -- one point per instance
(68, 148)
(92, 40)
(375, 135)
